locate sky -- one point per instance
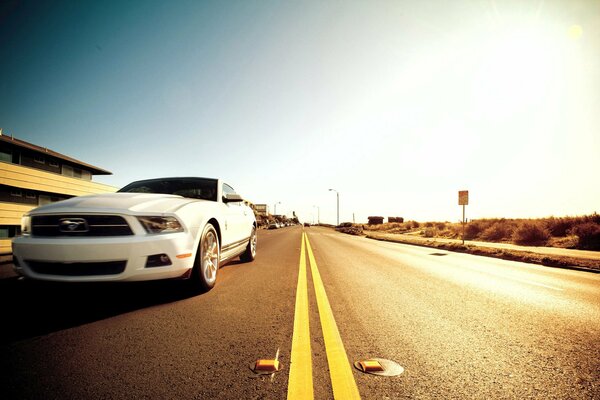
(396, 105)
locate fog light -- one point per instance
(158, 260)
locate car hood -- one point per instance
(121, 203)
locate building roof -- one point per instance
(43, 150)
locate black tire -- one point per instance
(206, 265)
(250, 253)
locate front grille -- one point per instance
(77, 269)
(85, 225)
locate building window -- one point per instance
(43, 199)
(30, 195)
(8, 231)
(53, 164)
(67, 170)
(5, 156)
(16, 193)
(39, 159)
(76, 172)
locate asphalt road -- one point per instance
(462, 327)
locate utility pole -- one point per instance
(338, 204)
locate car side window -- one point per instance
(227, 189)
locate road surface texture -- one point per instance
(461, 326)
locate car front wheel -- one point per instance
(206, 266)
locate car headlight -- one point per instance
(25, 225)
(160, 224)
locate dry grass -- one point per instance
(579, 232)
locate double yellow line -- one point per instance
(300, 384)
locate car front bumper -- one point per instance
(103, 259)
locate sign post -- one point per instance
(463, 200)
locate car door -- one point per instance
(236, 220)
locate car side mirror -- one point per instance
(232, 197)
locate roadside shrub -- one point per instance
(428, 224)
(594, 218)
(370, 227)
(473, 230)
(399, 229)
(428, 232)
(531, 233)
(414, 224)
(498, 231)
(440, 226)
(350, 229)
(560, 227)
(450, 232)
(455, 229)
(588, 234)
(382, 227)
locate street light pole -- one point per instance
(338, 204)
(275, 208)
(318, 214)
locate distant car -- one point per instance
(306, 224)
(273, 226)
(182, 228)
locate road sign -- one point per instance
(463, 197)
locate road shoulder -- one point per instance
(538, 257)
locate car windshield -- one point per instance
(195, 188)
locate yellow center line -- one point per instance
(340, 371)
(300, 384)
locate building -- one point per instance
(31, 176)
(375, 220)
(261, 209)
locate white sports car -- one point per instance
(152, 229)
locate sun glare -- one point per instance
(575, 32)
(517, 68)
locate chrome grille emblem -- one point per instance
(73, 225)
